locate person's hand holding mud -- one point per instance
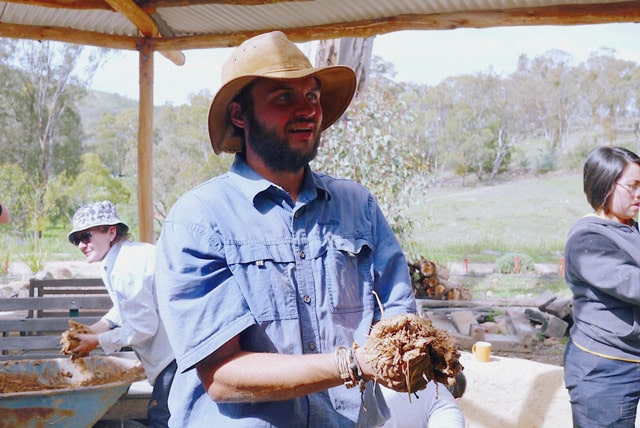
(405, 352)
(86, 344)
(78, 340)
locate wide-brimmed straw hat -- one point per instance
(274, 56)
(96, 214)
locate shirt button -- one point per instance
(297, 214)
(312, 346)
(306, 299)
(302, 255)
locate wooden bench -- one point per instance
(23, 337)
(66, 287)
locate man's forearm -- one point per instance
(256, 377)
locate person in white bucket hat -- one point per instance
(266, 274)
(127, 271)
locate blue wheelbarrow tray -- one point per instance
(59, 392)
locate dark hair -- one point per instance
(245, 100)
(122, 231)
(603, 167)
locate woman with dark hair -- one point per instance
(602, 256)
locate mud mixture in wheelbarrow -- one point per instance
(62, 378)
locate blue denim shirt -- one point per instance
(237, 256)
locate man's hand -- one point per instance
(405, 352)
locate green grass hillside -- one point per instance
(528, 215)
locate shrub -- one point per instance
(507, 263)
(546, 163)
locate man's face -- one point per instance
(283, 124)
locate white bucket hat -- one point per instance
(97, 214)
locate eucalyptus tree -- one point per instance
(472, 127)
(17, 192)
(512, 125)
(550, 95)
(183, 156)
(374, 144)
(438, 101)
(115, 142)
(611, 90)
(49, 78)
(65, 194)
(43, 133)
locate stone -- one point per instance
(536, 316)
(462, 320)
(491, 327)
(555, 327)
(561, 308)
(550, 325)
(507, 343)
(440, 321)
(544, 298)
(521, 326)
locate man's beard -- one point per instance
(276, 152)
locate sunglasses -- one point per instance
(84, 237)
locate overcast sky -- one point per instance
(419, 56)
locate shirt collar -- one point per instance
(110, 259)
(252, 184)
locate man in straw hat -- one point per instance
(267, 275)
(127, 270)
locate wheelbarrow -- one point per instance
(59, 392)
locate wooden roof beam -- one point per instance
(68, 35)
(145, 24)
(144, 4)
(65, 4)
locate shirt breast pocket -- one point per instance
(348, 265)
(265, 277)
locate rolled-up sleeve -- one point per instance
(196, 291)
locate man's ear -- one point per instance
(235, 115)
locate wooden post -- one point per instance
(145, 145)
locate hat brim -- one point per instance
(94, 224)
(337, 84)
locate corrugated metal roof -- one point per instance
(101, 21)
(199, 18)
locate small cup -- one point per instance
(481, 351)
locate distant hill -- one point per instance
(96, 103)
